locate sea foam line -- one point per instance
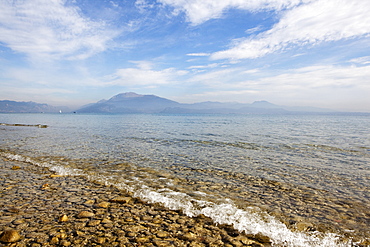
(246, 220)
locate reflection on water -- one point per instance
(309, 172)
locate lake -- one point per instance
(302, 180)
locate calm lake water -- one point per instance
(302, 180)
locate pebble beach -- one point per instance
(40, 208)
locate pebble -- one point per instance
(162, 234)
(103, 205)
(62, 235)
(10, 236)
(121, 199)
(13, 210)
(106, 221)
(85, 214)
(55, 176)
(63, 218)
(89, 202)
(18, 222)
(94, 222)
(304, 226)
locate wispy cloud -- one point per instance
(198, 54)
(361, 60)
(253, 30)
(311, 77)
(142, 5)
(215, 78)
(330, 86)
(199, 11)
(306, 24)
(51, 30)
(144, 75)
(207, 66)
(318, 77)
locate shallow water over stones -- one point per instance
(95, 222)
(297, 176)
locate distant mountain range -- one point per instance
(137, 103)
(8, 106)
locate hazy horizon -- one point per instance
(288, 52)
(299, 107)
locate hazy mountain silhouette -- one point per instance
(130, 103)
(8, 106)
(137, 103)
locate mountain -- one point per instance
(8, 106)
(130, 103)
(264, 104)
(137, 103)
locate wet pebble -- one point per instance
(94, 222)
(63, 218)
(121, 199)
(85, 214)
(10, 236)
(103, 205)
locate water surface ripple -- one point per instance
(302, 180)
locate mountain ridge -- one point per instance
(131, 102)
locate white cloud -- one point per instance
(312, 77)
(199, 11)
(245, 96)
(207, 66)
(253, 30)
(337, 87)
(144, 75)
(307, 24)
(34, 92)
(251, 71)
(50, 29)
(216, 78)
(361, 60)
(317, 78)
(142, 5)
(198, 54)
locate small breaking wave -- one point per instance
(250, 220)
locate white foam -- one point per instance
(56, 168)
(250, 220)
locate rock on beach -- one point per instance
(10, 236)
(85, 214)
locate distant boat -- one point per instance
(60, 111)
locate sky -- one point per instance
(288, 52)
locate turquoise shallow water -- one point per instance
(295, 178)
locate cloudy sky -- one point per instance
(288, 52)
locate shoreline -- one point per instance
(45, 209)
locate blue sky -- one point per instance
(288, 52)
